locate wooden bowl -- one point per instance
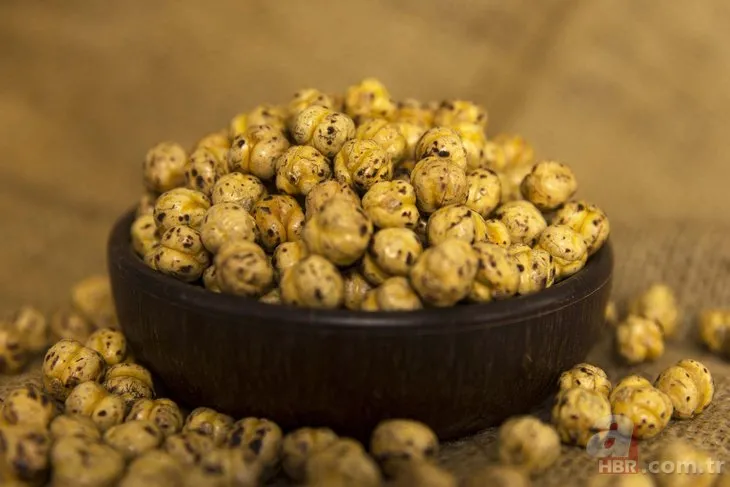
(457, 369)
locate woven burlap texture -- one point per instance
(694, 259)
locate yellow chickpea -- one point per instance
(111, 344)
(639, 339)
(527, 442)
(356, 288)
(648, 408)
(210, 423)
(577, 412)
(586, 219)
(567, 248)
(162, 412)
(444, 274)
(324, 129)
(587, 376)
(456, 221)
(92, 400)
(444, 143)
(497, 276)
(130, 381)
(391, 204)
(485, 191)
(67, 364)
(361, 164)
(438, 183)
(164, 167)
(343, 462)
(714, 328)
(300, 169)
(27, 405)
(256, 151)
(386, 134)
(279, 219)
(455, 112)
(658, 303)
(299, 445)
(369, 99)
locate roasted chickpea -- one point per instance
(92, 297)
(693, 467)
(386, 134)
(703, 380)
(394, 294)
(497, 275)
(24, 452)
(66, 426)
(498, 476)
(13, 355)
(181, 254)
(438, 183)
(567, 248)
(222, 467)
(286, 255)
(577, 413)
(67, 364)
(264, 114)
(111, 344)
(210, 423)
(633, 380)
(131, 381)
(180, 206)
(356, 288)
(32, 326)
(299, 445)
(217, 141)
(456, 221)
(714, 327)
(325, 191)
(92, 400)
(324, 129)
(188, 447)
(144, 234)
(203, 169)
(527, 442)
(475, 142)
(301, 168)
(67, 323)
(210, 279)
(497, 233)
(397, 442)
(154, 468)
(549, 185)
(455, 112)
(391, 204)
(146, 204)
(611, 314)
(163, 412)
(259, 436)
(361, 164)
(443, 143)
(343, 462)
(392, 252)
(411, 133)
(425, 474)
(279, 218)
(306, 98)
(415, 112)
(369, 99)
(243, 269)
(517, 150)
(241, 189)
(639, 339)
(80, 462)
(256, 151)
(536, 268)
(340, 232)
(27, 405)
(134, 438)
(511, 180)
(689, 385)
(226, 222)
(313, 282)
(586, 376)
(524, 221)
(164, 167)
(588, 220)
(659, 304)
(443, 275)
(484, 191)
(648, 408)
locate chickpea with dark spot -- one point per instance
(80, 462)
(203, 170)
(343, 462)
(69, 363)
(299, 445)
(111, 344)
(411, 134)
(67, 323)
(391, 204)
(92, 400)
(130, 381)
(324, 129)
(497, 233)
(567, 248)
(639, 339)
(223, 467)
(243, 269)
(648, 410)
(497, 276)
(226, 222)
(356, 288)
(92, 297)
(444, 274)
(361, 164)
(484, 191)
(425, 474)
(396, 443)
(67, 426)
(163, 412)
(210, 279)
(304, 99)
(256, 151)
(587, 376)
(392, 252)
(394, 294)
(369, 99)
(180, 206)
(32, 326)
(536, 268)
(164, 167)
(188, 447)
(286, 256)
(586, 219)
(415, 112)
(444, 143)
(181, 254)
(386, 134)
(474, 141)
(300, 169)
(154, 469)
(438, 183)
(144, 234)
(210, 423)
(28, 405)
(523, 220)
(576, 414)
(146, 204)
(658, 303)
(313, 282)
(456, 112)
(133, 438)
(13, 355)
(264, 114)
(455, 221)
(242, 189)
(325, 191)
(549, 185)
(24, 452)
(340, 232)
(260, 436)
(279, 219)
(527, 442)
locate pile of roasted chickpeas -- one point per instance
(361, 202)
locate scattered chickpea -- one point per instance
(66, 426)
(549, 185)
(134, 438)
(13, 355)
(181, 254)
(523, 220)
(92, 297)
(485, 191)
(163, 412)
(223, 467)
(243, 269)
(527, 442)
(340, 232)
(536, 268)
(386, 134)
(455, 112)
(456, 221)
(164, 167)
(633, 380)
(312, 282)
(639, 339)
(154, 469)
(659, 304)
(92, 400)
(398, 442)
(498, 476)
(241, 189)
(144, 234)
(188, 447)
(394, 294)
(361, 164)
(81, 462)
(567, 248)
(714, 328)
(497, 275)
(226, 222)
(356, 287)
(325, 191)
(391, 204)
(343, 462)
(69, 363)
(259, 436)
(689, 385)
(111, 344)
(648, 408)
(24, 452)
(32, 326)
(611, 314)
(586, 219)
(369, 99)
(438, 183)
(699, 469)
(210, 423)
(180, 206)
(27, 405)
(443, 275)
(256, 151)
(587, 376)
(301, 168)
(279, 218)
(131, 381)
(68, 323)
(577, 412)
(299, 445)
(425, 474)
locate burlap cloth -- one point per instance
(632, 93)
